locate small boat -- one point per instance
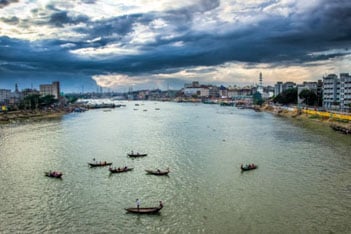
(120, 170)
(248, 167)
(145, 210)
(100, 164)
(158, 172)
(54, 174)
(135, 155)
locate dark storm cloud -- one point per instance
(4, 3)
(12, 20)
(278, 40)
(88, 1)
(119, 26)
(61, 18)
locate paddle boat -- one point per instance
(158, 172)
(100, 164)
(120, 169)
(54, 174)
(248, 167)
(145, 210)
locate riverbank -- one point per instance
(325, 119)
(25, 115)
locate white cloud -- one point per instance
(108, 50)
(117, 80)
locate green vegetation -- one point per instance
(71, 98)
(288, 96)
(35, 101)
(257, 99)
(309, 97)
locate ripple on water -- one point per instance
(302, 183)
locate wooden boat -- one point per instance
(248, 167)
(120, 170)
(158, 172)
(135, 155)
(54, 174)
(102, 164)
(145, 210)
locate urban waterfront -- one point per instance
(302, 185)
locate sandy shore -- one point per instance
(17, 116)
(295, 114)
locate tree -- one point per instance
(257, 98)
(31, 101)
(47, 100)
(288, 96)
(310, 97)
(71, 99)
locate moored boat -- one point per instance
(120, 169)
(248, 167)
(100, 164)
(54, 174)
(158, 172)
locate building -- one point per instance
(223, 92)
(260, 84)
(345, 92)
(213, 91)
(26, 92)
(337, 92)
(5, 95)
(331, 90)
(289, 85)
(50, 89)
(240, 93)
(306, 85)
(202, 91)
(278, 88)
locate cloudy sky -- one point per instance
(165, 43)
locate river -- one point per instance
(302, 184)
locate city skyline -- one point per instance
(153, 44)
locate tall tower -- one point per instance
(260, 85)
(16, 88)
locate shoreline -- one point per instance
(32, 115)
(335, 124)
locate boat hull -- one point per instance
(136, 155)
(248, 169)
(159, 173)
(146, 210)
(99, 165)
(57, 176)
(120, 171)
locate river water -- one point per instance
(302, 185)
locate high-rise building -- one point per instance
(278, 88)
(5, 95)
(345, 91)
(260, 84)
(337, 92)
(50, 89)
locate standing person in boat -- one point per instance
(161, 205)
(137, 203)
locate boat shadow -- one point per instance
(148, 174)
(143, 214)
